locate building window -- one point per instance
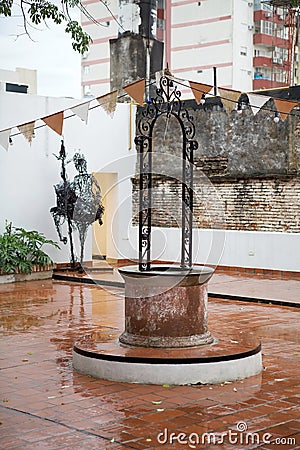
(267, 27)
(20, 88)
(86, 70)
(262, 5)
(243, 51)
(256, 52)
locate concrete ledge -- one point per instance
(15, 277)
(167, 373)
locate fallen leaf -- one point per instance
(234, 342)
(160, 410)
(148, 440)
(112, 440)
(157, 402)
(279, 379)
(5, 400)
(25, 360)
(29, 353)
(52, 396)
(235, 389)
(165, 385)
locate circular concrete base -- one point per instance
(101, 355)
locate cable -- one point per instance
(181, 83)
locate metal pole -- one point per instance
(64, 177)
(215, 81)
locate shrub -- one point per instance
(20, 250)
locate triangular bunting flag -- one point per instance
(257, 101)
(55, 122)
(136, 91)
(229, 98)
(284, 107)
(109, 102)
(27, 130)
(199, 89)
(158, 76)
(4, 138)
(82, 111)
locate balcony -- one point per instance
(261, 83)
(265, 15)
(262, 61)
(270, 41)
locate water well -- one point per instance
(166, 337)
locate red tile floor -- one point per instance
(44, 404)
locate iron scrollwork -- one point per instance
(167, 102)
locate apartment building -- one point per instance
(251, 43)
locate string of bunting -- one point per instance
(136, 91)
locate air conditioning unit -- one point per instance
(250, 27)
(250, 4)
(279, 60)
(280, 17)
(267, 15)
(85, 54)
(275, 60)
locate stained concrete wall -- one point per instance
(233, 145)
(128, 56)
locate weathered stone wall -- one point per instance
(247, 174)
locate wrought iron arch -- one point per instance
(167, 102)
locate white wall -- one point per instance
(251, 249)
(28, 172)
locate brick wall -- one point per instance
(245, 204)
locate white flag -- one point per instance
(256, 101)
(82, 111)
(4, 138)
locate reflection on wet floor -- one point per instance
(46, 405)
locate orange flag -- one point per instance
(136, 91)
(229, 98)
(55, 122)
(284, 107)
(199, 89)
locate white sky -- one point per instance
(51, 54)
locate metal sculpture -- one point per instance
(167, 102)
(65, 201)
(78, 202)
(88, 207)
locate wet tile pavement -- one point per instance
(44, 404)
(234, 285)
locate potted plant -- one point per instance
(21, 254)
